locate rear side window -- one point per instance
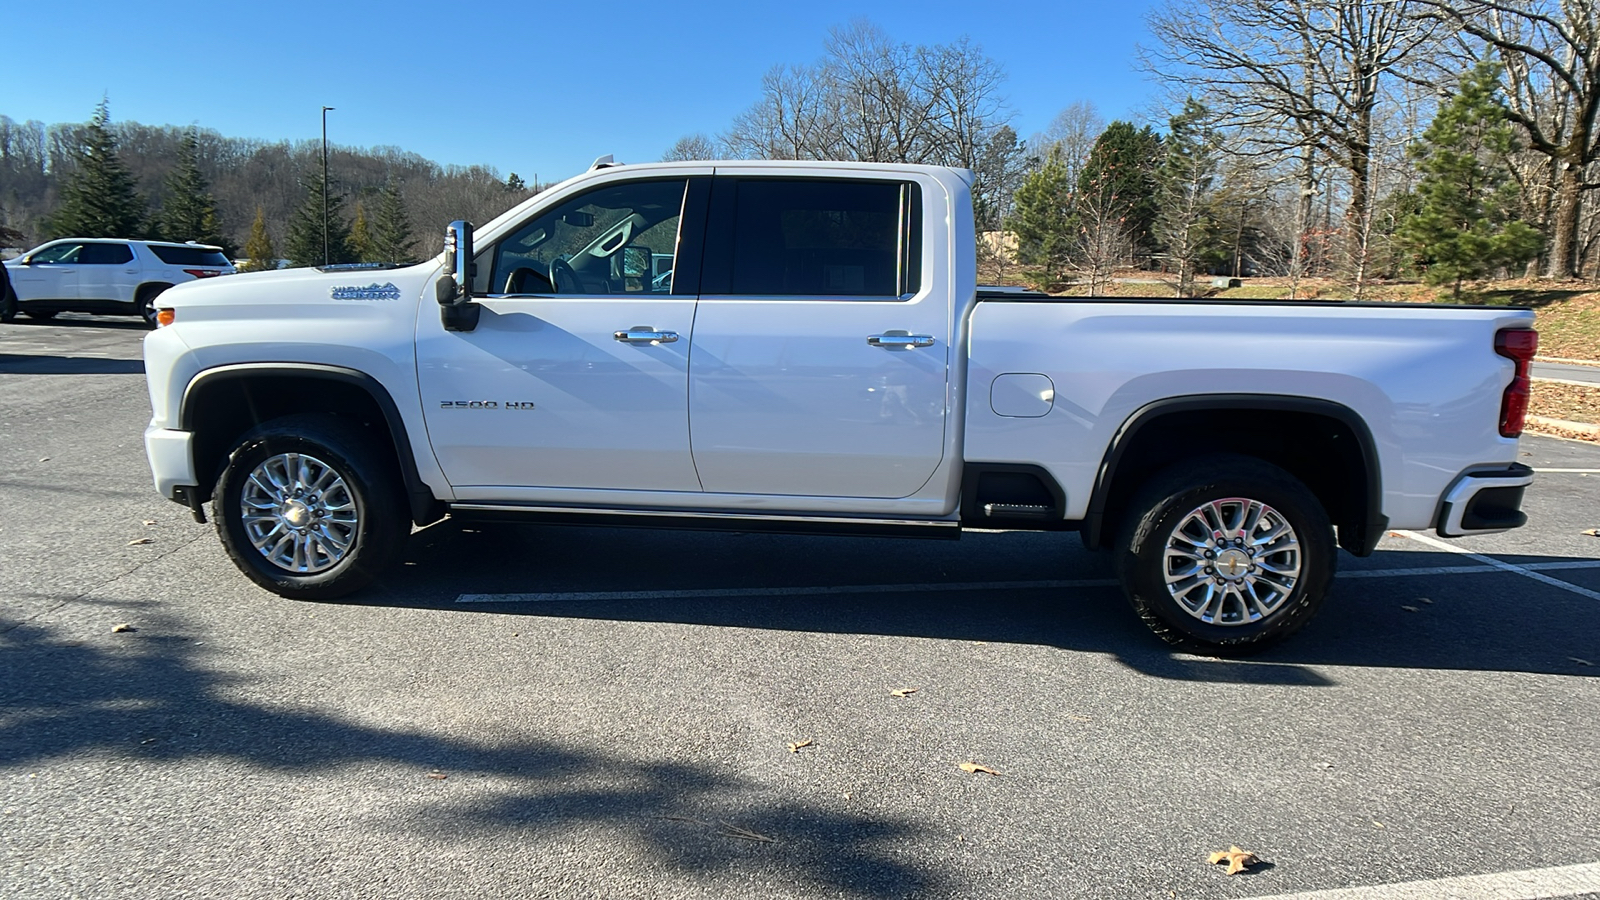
(189, 256)
(105, 254)
(813, 237)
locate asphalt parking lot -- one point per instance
(570, 712)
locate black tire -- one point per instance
(40, 315)
(369, 471)
(8, 306)
(1166, 503)
(146, 304)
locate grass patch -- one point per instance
(1566, 401)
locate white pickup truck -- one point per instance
(803, 346)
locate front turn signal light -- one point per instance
(165, 316)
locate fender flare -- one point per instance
(1360, 541)
(425, 507)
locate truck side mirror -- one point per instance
(454, 287)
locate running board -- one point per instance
(937, 529)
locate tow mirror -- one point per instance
(454, 287)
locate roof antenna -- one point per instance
(604, 162)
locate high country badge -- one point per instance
(372, 291)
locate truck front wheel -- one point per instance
(1225, 555)
(311, 507)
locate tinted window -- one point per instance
(617, 239)
(190, 256)
(815, 237)
(105, 254)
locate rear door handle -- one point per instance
(641, 334)
(900, 339)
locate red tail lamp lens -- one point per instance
(1518, 345)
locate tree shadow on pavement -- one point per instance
(1436, 622)
(146, 696)
(16, 364)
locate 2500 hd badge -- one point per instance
(486, 404)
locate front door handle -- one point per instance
(900, 339)
(643, 334)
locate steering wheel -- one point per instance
(526, 280)
(563, 280)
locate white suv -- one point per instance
(106, 275)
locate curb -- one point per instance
(1566, 361)
(1580, 430)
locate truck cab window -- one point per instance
(617, 239)
(809, 237)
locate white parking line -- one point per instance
(1528, 884)
(1579, 471)
(1525, 571)
(823, 590)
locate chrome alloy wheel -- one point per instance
(1232, 561)
(298, 512)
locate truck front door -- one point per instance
(820, 360)
(577, 373)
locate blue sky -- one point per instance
(532, 88)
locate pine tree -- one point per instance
(360, 237)
(304, 243)
(514, 183)
(1045, 223)
(258, 249)
(1184, 219)
(101, 198)
(189, 212)
(1123, 165)
(1465, 224)
(392, 239)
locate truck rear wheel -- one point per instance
(1226, 555)
(311, 508)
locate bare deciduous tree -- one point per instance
(872, 100)
(691, 147)
(1071, 136)
(1302, 76)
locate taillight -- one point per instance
(1517, 345)
(202, 273)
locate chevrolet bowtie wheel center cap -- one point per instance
(297, 514)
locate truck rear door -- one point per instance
(820, 361)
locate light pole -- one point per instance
(325, 259)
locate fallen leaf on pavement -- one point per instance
(1411, 608)
(1236, 859)
(148, 522)
(44, 459)
(437, 775)
(137, 541)
(743, 834)
(121, 627)
(903, 692)
(1593, 532)
(1423, 600)
(972, 768)
(796, 745)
